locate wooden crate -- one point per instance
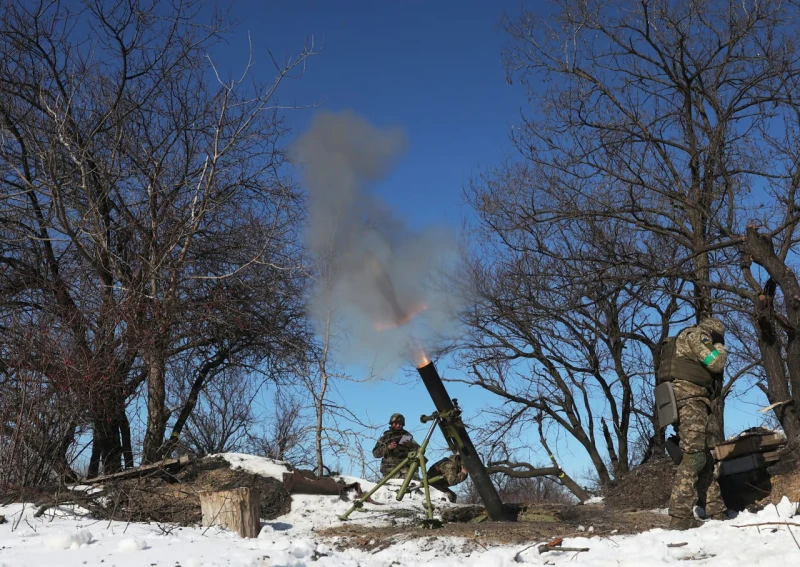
(744, 464)
(746, 445)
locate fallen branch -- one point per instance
(544, 548)
(520, 470)
(74, 498)
(555, 545)
(679, 544)
(163, 467)
(518, 556)
(768, 524)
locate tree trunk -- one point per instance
(318, 444)
(236, 510)
(62, 466)
(125, 435)
(203, 376)
(716, 425)
(320, 407)
(623, 457)
(106, 448)
(98, 448)
(112, 458)
(156, 410)
(760, 248)
(777, 381)
(565, 479)
(612, 454)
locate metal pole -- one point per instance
(457, 437)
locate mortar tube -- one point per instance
(469, 456)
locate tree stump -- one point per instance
(235, 509)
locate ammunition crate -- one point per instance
(746, 445)
(744, 464)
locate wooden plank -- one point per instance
(746, 445)
(167, 465)
(235, 510)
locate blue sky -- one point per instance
(433, 68)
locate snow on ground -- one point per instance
(595, 500)
(62, 538)
(255, 465)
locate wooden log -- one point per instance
(170, 465)
(235, 510)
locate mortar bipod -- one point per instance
(414, 460)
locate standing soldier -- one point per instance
(394, 445)
(695, 388)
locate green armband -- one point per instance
(710, 358)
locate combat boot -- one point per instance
(677, 523)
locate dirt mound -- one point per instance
(646, 487)
(472, 512)
(175, 499)
(534, 523)
(649, 485)
(785, 482)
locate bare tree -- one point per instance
(317, 376)
(651, 124)
(285, 437)
(560, 330)
(653, 107)
(223, 417)
(39, 429)
(145, 206)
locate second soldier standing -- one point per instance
(695, 482)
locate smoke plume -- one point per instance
(380, 280)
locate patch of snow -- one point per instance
(785, 508)
(87, 488)
(256, 465)
(293, 540)
(66, 540)
(595, 500)
(131, 544)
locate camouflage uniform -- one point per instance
(390, 458)
(695, 476)
(452, 472)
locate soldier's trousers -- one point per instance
(694, 481)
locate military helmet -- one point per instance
(712, 325)
(397, 418)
